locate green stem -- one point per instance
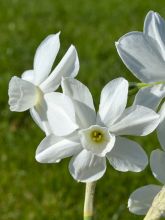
(132, 91)
(89, 200)
(133, 85)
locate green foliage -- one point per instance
(32, 191)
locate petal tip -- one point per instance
(117, 43)
(129, 203)
(151, 12)
(72, 46)
(37, 158)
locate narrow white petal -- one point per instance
(22, 94)
(136, 120)
(85, 116)
(141, 56)
(127, 155)
(157, 163)
(45, 56)
(141, 199)
(150, 96)
(53, 148)
(60, 113)
(38, 113)
(82, 100)
(154, 27)
(68, 67)
(113, 101)
(77, 91)
(28, 75)
(86, 167)
(161, 127)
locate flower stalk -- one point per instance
(89, 201)
(157, 209)
(133, 85)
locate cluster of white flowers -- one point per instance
(144, 54)
(74, 128)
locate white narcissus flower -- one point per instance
(91, 138)
(141, 199)
(144, 54)
(27, 92)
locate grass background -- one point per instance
(29, 190)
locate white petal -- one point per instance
(68, 67)
(60, 113)
(99, 148)
(86, 167)
(136, 120)
(78, 91)
(83, 102)
(39, 116)
(127, 155)
(161, 127)
(45, 56)
(150, 96)
(22, 94)
(141, 199)
(141, 56)
(53, 148)
(85, 116)
(157, 163)
(113, 101)
(154, 27)
(28, 75)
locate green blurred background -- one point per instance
(29, 190)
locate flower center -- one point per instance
(97, 140)
(97, 136)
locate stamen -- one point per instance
(97, 136)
